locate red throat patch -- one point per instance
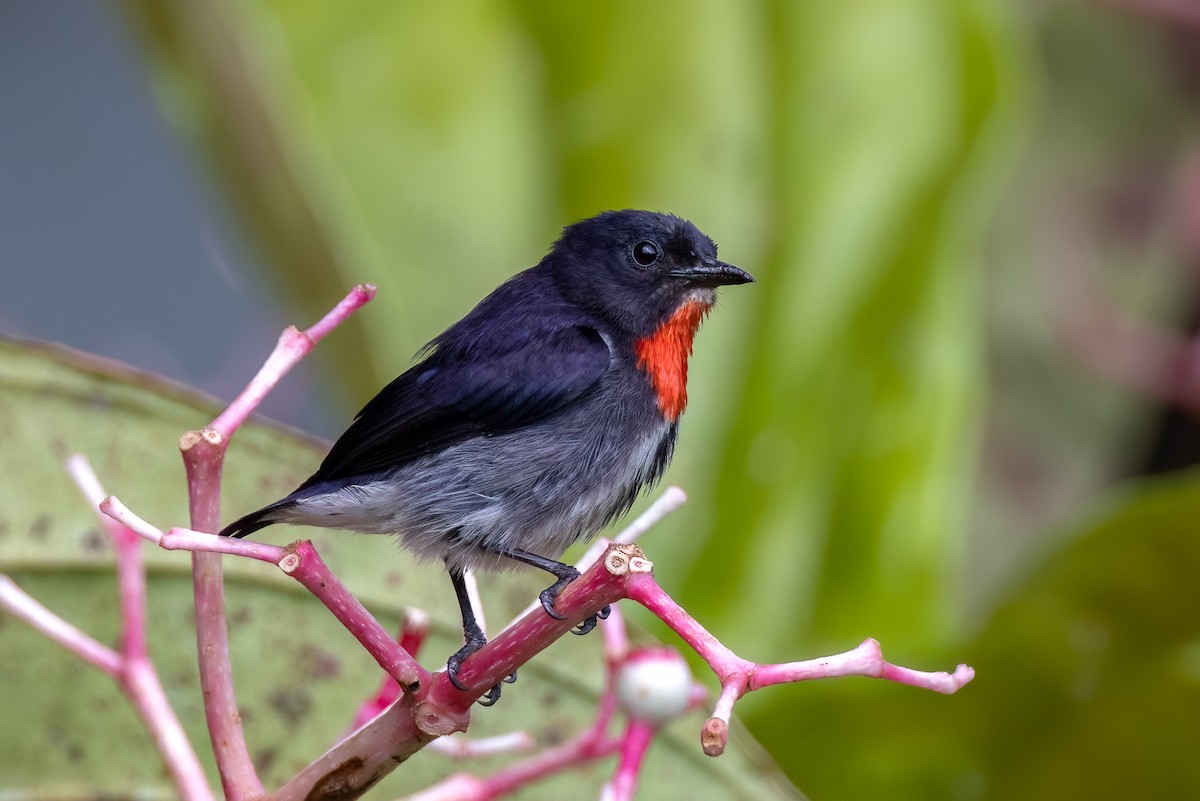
(664, 357)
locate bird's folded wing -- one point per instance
(451, 396)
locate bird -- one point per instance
(534, 421)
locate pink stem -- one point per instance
(865, 660)
(203, 457)
(23, 605)
(601, 585)
(405, 727)
(137, 676)
(303, 563)
(590, 744)
(239, 779)
(413, 630)
(293, 346)
(739, 676)
(459, 747)
(634, 744)
(671, 499)
(351, 767)
(645, 590)
(140, 679)
(616, 639)
(143, 687)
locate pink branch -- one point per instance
(351, 767)
(24, 606)
(239, 779)
(591, 744)
(588, 745)
(443, 709)
(408, 725)
(136, 674)
(459, 747)
(865, 660)
(293, 346)
(671, 499)
(203, 456)
(624, 572)
(638, 736)
(184, 539)
(739, 676)
(413, 630)
(601, 585)
(302, 562)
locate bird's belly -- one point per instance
(524, 490)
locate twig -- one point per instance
(414, 627)
(301, 562)
(138, 677)
(739, 676)
(671, 499)
(203, 456)
(27, 608)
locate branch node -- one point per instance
(289, 563)
(437, 721)
(621, 560)
(193, 438)
(714, 736)
(640, 564)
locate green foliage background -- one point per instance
(846, 154)
(864, 160)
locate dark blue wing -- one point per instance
(458, 393)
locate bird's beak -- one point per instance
(711, 273)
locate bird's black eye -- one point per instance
(646, 253)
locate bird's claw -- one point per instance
(454, 664)
(590, 623)
(493, 695)
(547, 598)
(550, 594)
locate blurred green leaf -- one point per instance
(849, 459)
(1096, 660)
(1088, 680)
(299, 675)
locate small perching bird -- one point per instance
(535, 420)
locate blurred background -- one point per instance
(956, 412)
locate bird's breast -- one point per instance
(663, 357)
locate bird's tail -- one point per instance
(255, 520)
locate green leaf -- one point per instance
(1095, 660)
(1088, 679)
(299, 676)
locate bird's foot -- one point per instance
(454, 663)
(550, 594)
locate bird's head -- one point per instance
(637, 268)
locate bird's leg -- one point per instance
(565, 574)
(472, 635)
